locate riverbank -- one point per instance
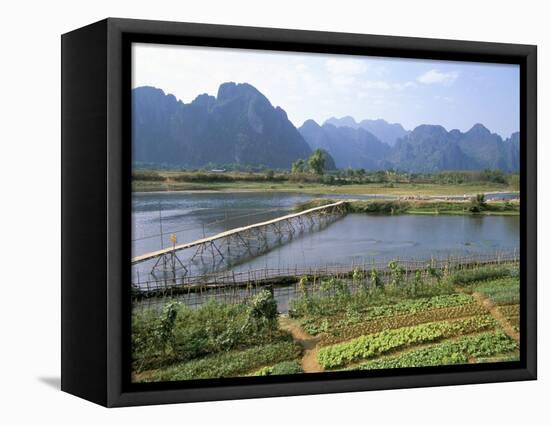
(432, 317)
(398, 189)
(435, 206)
(398, 185)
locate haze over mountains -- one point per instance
(241, 126)
(388, 133)
(427, 148)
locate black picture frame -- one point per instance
(96, 67)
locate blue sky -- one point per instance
(456, 95)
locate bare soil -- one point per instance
(309, 361)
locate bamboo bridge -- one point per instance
(238, 243)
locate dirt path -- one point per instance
(309, 343)
(493, 310)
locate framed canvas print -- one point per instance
(253, 212)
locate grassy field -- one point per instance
(240, 181)
(438, 318)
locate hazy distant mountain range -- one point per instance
(350, 147)
(387, 132)
(241, 126)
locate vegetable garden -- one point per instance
(438, 318)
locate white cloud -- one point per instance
(437, 77)
(349, 67)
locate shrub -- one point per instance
(263, 311)
(477, 203)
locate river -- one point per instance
(353, 239)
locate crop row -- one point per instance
(459, 351)
(410, 306)
(376, 344)
(413, 306)
(358, 314)
(355, 315)
(340, 330)
(227, 364)
(339, 298)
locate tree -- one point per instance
(478, 203)
(299, 166)
(317, 162)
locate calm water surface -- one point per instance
(352, 239)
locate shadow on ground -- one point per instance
(54, 382)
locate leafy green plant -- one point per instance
(397, 273)
(263, 311)
(302, 285)
(434, 272)
(164, 330)
(341, 330)
(358, 275)
(458, 351)
(388, 340)
(375, 278)
(335, 285)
